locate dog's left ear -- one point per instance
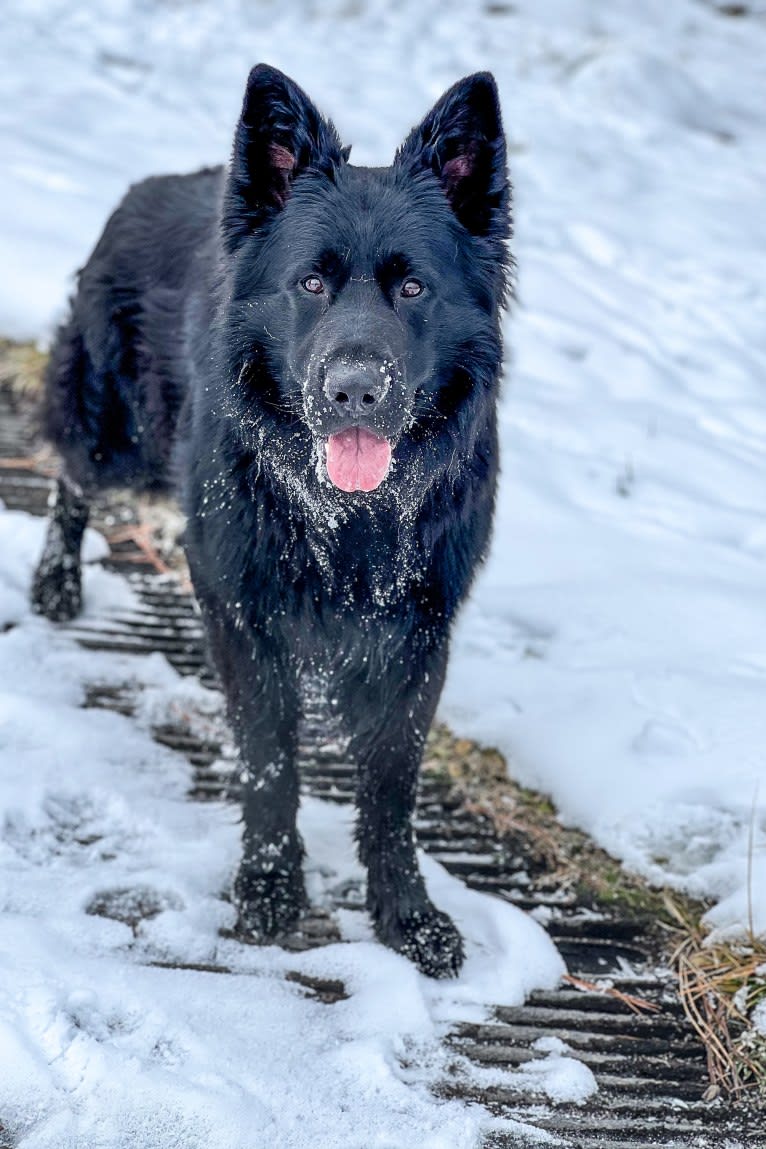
(461, 141)
(280, 134)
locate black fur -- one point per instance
(195, 355)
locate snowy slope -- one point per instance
(615, 648)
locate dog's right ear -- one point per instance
(280, 134)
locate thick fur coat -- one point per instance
(309, 352)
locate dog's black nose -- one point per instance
(354, 392)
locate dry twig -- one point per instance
(634, 1004)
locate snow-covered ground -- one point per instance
(615, 647)
(108, 874)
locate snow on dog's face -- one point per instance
(366, 300)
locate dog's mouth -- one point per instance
(357, 459)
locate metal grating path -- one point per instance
(650, 1069)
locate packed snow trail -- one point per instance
(109, 874)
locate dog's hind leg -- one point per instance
(71, 420)
(57, 586)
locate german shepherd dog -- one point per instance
(309, 352)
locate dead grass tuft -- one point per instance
(21, 367)
(720, 984)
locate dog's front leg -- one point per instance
(390, 718)
(263, 706)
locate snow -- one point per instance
(109, 874)
(615, 646)
(759, 1017)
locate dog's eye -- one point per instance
(312, 284)
(411, 288)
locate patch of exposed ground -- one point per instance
(559, 857)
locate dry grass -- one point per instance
(21, 367)
(720, 985)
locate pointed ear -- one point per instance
(280, 134)
(461, 141)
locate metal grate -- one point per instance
(650, 1069)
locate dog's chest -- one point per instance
(367, 566)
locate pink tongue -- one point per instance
(357, 460)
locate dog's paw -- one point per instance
(57, 591)
(429, 939)
(268, 904)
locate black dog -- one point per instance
(312, 351)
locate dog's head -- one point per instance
(365, 301)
